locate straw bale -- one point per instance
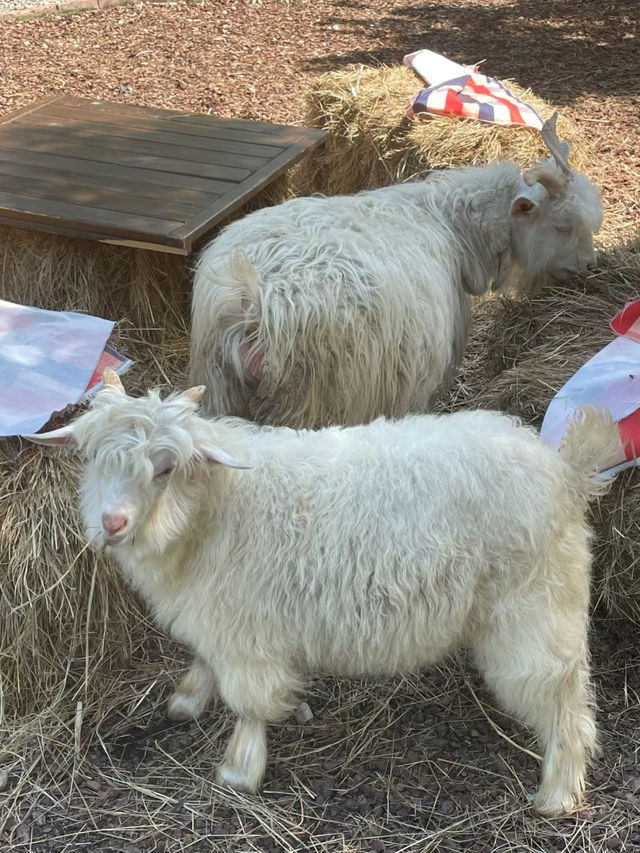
(68, 621)
(373, 144)
(149, 289)
(521, 352)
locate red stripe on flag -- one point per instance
(626, 321)
(452, 103)
(514, 112)
(630, 434)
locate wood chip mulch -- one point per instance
(254, 60)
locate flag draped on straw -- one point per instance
(455, 90)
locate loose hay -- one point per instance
(521, 352)
(373, 144)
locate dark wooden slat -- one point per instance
(137, 141)
(14, 221)
(154, 179)
(29, 108)
(140, 161)
(75, 139)
(194, 228)
(189, 119)
(172, 133)
(125, 176)
(102, 197)
(106, 222)
(277, 135)
(153, 193)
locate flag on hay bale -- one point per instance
(455, 90)
(610, 380)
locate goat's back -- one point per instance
(376, 549)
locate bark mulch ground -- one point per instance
(418, 764)
(253, 60)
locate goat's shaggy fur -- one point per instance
(373, 549)
(336, 310)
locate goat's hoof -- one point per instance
(238, 780)
(184, 706)
(555, 804)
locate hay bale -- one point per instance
(149, 289)
(521, 352)
(373, 144)
(68, 620)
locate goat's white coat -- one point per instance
(373, 549)
(337, 310)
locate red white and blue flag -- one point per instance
(455, 90)
(610, 380)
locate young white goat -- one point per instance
(337, 310)
(375, 549)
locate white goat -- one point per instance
(373, 549)
(337, 310)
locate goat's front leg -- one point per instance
(258, 692)
(245, 758)
(194, 692)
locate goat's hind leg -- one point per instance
(534, 657)
(194, 692)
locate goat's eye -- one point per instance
(563, 229)
(165, 472)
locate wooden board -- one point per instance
(134, 175)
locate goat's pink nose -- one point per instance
(114, 523)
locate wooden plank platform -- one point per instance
(136, 176)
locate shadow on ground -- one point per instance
(588, 44)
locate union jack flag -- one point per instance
(457, 90)
(477, 97)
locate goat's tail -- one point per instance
(591, 445)
(244, 278)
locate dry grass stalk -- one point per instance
(521, 352)
(373, 144)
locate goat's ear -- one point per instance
(214, 455)
(523, 206)
(192, 395)
(56, 438)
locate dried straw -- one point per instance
(149, 289)
(522, 351)
(373, 144)
(66, 616)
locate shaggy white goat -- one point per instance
(373, 549)
(337, 310)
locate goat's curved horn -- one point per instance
(553, 183)
(111, 379)
(553, 143)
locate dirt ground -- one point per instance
(425, 763)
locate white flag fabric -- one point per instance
(611, 380)
(47, 360)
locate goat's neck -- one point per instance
(475, 205)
